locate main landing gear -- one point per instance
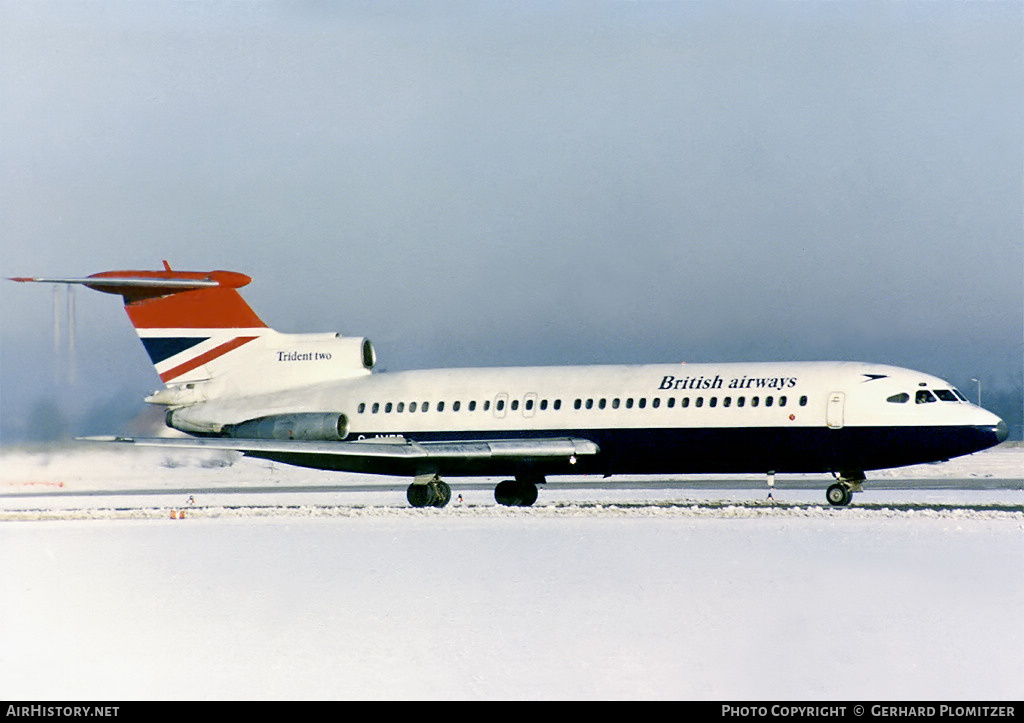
(518, 492)
(840, 493)
(431, 491)
(428, 491)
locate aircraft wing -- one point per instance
(391, 455)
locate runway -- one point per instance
(729, 498)
(1006, 483)
(91, 482)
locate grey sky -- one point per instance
(489, 183)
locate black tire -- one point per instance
(505, 493)
(838, 495)
(513, 493)
(442, 493)
(418, 495)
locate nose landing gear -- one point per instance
(840, 493)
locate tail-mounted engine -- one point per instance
(270, 362)
(351, 352)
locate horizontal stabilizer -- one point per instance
(100, 283)
(137, 286)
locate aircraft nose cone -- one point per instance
(1001, 431)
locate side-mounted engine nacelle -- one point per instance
(307, 426)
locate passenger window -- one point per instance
(782, 401)
(901, 398)
(515, 404)
(362, 407)
(388, 407)
(487, 405)
(543, 404)
(642, 402)
(685, 402)
(558, 404)
(656, 402)
(601, 404)
(590, 404)
(615, 404)
(472, 406)
(754, 401)
(440, 406)
(629, 403)
(803, 401)
(741, 401)
(768, 401)
(699, 402)
(426, 406)
(578, 404)
(727, 401)
(412, 407)
(923, 396)
(499, 406)
(671, 402)
(456, 406)
(713, 402)
(376, 407)
(529, 405)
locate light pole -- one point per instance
(978, 382)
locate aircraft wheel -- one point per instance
(442, 493)
(418, 495)
(513, 493)
(504, 493)
(838, 495)
(432, 494)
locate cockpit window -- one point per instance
(959, 396)
(923, 396)
(946, 395)
(901, 398)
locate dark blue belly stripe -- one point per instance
(695, 450)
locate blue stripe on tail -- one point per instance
(164, 347)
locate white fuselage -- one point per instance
(795, 416)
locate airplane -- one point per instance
(318, 401)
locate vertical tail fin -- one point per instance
(186, 320)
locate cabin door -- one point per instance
(834, 410)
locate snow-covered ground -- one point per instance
(351, 594)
